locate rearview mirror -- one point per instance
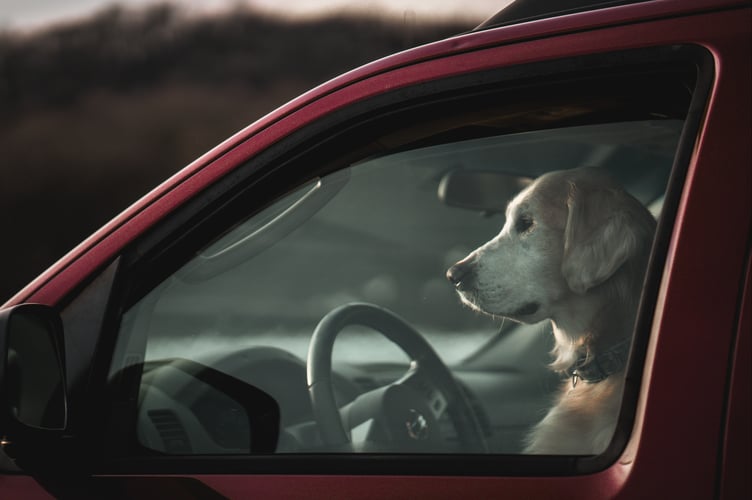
(486, 191)
(32, 372)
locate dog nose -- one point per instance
(461, 274)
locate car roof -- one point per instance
(520, 11)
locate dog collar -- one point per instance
(593, 369)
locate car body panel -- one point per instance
(685, 385)
(22, 487)
(737, 455)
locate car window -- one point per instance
(403, 302)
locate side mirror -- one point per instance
(33, 402)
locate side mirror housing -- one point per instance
(33, 400)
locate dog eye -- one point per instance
(523, 224)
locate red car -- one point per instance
(187, 349)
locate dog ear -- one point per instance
(599, 237)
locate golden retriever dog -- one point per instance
(573, 250)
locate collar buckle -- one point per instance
(593, 369)
(575, 378)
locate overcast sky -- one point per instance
(30, 14)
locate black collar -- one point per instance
(593, 369)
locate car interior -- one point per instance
(376, 238)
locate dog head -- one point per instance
(565, 235)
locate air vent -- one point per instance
(174, 437)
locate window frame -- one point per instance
(174, 239)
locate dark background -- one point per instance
(95, 113)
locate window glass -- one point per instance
(408, 360)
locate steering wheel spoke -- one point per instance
(420, 381)
(365, 409)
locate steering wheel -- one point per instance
(402, 416)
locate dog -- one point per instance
(573, 250)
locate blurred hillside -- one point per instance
(94, 114)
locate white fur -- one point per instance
(580, 263)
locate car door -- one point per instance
(190, 325)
